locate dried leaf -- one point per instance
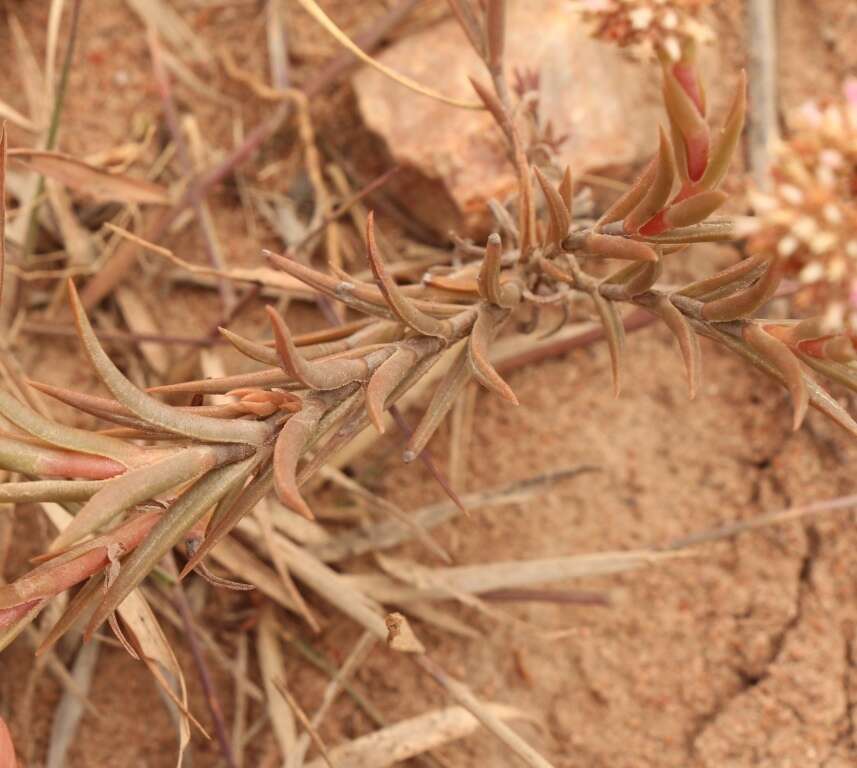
(489, 717)
(408, 738)
(82, 177)
(154, 650)
(141, 321)
(272, 666)
(70, 709)
(400, 636)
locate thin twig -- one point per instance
(205, 678)
(763, 117)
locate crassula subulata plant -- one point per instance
(166, 477)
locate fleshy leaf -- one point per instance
(62, 436)
(784, 360)
(693, 210)
(747, 300)
(488, 323)
(659, 192)
(49, 490)
(320, 375)
(442, 400)
(490, 287)
(40, 461)
(614, 331)
(632, 198)
(399, 304)
(140, 485)
(290, 445)
(557, 209)
(168, 531)
(153, 411)
(611, 247)
(727, 140)
(725, 277)
(686, 338)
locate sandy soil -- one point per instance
(742, 655)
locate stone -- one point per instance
(454, 159)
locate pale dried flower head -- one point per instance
(810, 215)
(647, 26)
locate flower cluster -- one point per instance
(648, 26)
(810, 215)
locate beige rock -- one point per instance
(608, 104)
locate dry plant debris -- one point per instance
(186, 477)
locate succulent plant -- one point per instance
(184, 476)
